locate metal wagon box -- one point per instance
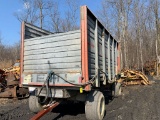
(76, 55)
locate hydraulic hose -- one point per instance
(46, 85)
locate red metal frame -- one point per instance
(84, 45)
(22, 50)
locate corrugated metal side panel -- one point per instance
(60, 53)
(111, 68)
(91, 46)
(106, 53)
(32, 31)
(102, 50)
(100, 31)
(91, 49)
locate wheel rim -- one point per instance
(102, 107)
(120, 90)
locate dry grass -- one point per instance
(5, 64)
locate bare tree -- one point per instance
(121, 10)
(9, 54)
(55, 18)
(33, 11)
(138, 13)
(134, 26)
(71, 16)
(155, 5)
(43, 6)
(104, 16)
(28, 13)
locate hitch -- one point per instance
(47, 108)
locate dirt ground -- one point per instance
(136, 103)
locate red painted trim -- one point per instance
(22, 50)
(80, 80)
(84, 46)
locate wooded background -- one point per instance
(134, 23)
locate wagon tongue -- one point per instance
(46, 109)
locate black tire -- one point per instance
(34, 106)
(116, 89)
(95, 106)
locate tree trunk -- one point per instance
(41, 17)
(157, 29)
